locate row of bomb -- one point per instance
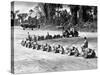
(48, 36)
(85, 52)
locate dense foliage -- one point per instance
(80, 16)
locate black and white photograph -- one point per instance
(53, 37)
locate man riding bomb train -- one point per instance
(85, 51)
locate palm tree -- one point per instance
(49, 10)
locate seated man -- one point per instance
(49, 48)
(38, 46)
(61, 49)
(45, 47)
(34, 45)
(73, 48)
(58, 49)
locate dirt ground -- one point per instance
(32, 61)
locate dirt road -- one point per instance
(30, 61)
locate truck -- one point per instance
(30, 26)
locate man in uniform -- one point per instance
(85, 43)
(29, 37)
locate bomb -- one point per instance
(49, 48)
(53, 49)
(38, 47)
(42, 38)
(55, 36)
(88, 53)
(72, 51)
(58, 36)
